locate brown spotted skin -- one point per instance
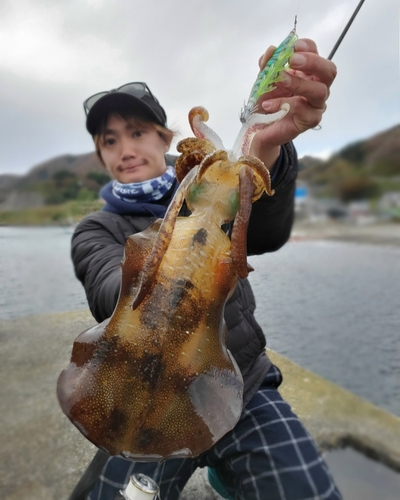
(145, 383)
(156, 381)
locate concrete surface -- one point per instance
(336, 417)
(43, 455)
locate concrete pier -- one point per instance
(42, 454)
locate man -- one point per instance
(268, 454)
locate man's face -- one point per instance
(132, 153)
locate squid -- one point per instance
(156, 380)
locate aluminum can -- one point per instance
(140, 487)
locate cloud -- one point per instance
(40, 47)
(197, 52)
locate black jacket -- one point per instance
(98, 246)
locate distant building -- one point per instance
(389, 204)
(302, 200)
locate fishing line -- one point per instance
(298, 8)
(295, 9)
(157, 476)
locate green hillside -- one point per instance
(63, 189)
(364, 169)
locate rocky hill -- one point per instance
(53, 181)
(364, 167)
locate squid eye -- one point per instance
(233, 204)
(196, 192)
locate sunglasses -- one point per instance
(137, 89)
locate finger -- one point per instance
(274, 105)
(315, 92)
(304, 115)
(266, 57)
(301, 113)
(312, 64)
(305, 45)
(277, 92)
(300, 74)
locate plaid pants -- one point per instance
(267, 456)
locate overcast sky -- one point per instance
(55, 53)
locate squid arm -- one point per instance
(239, 230)
(261, 170)
(193, 150)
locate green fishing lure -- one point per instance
(271, 74)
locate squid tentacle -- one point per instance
(239, 230)
(254, 124)
(197, 117)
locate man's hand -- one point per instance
(306, 88)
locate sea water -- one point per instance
(331, 307)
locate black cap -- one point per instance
(122, 101)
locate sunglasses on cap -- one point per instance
(137, 89)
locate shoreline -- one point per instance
(377, 233)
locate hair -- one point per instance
(134, 119)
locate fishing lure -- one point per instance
(271, 73)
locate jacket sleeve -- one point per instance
(96, 254)
(272, 216)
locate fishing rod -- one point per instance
(346, 29)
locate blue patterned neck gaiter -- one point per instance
(146, 191)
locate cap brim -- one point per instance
(117, 101)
